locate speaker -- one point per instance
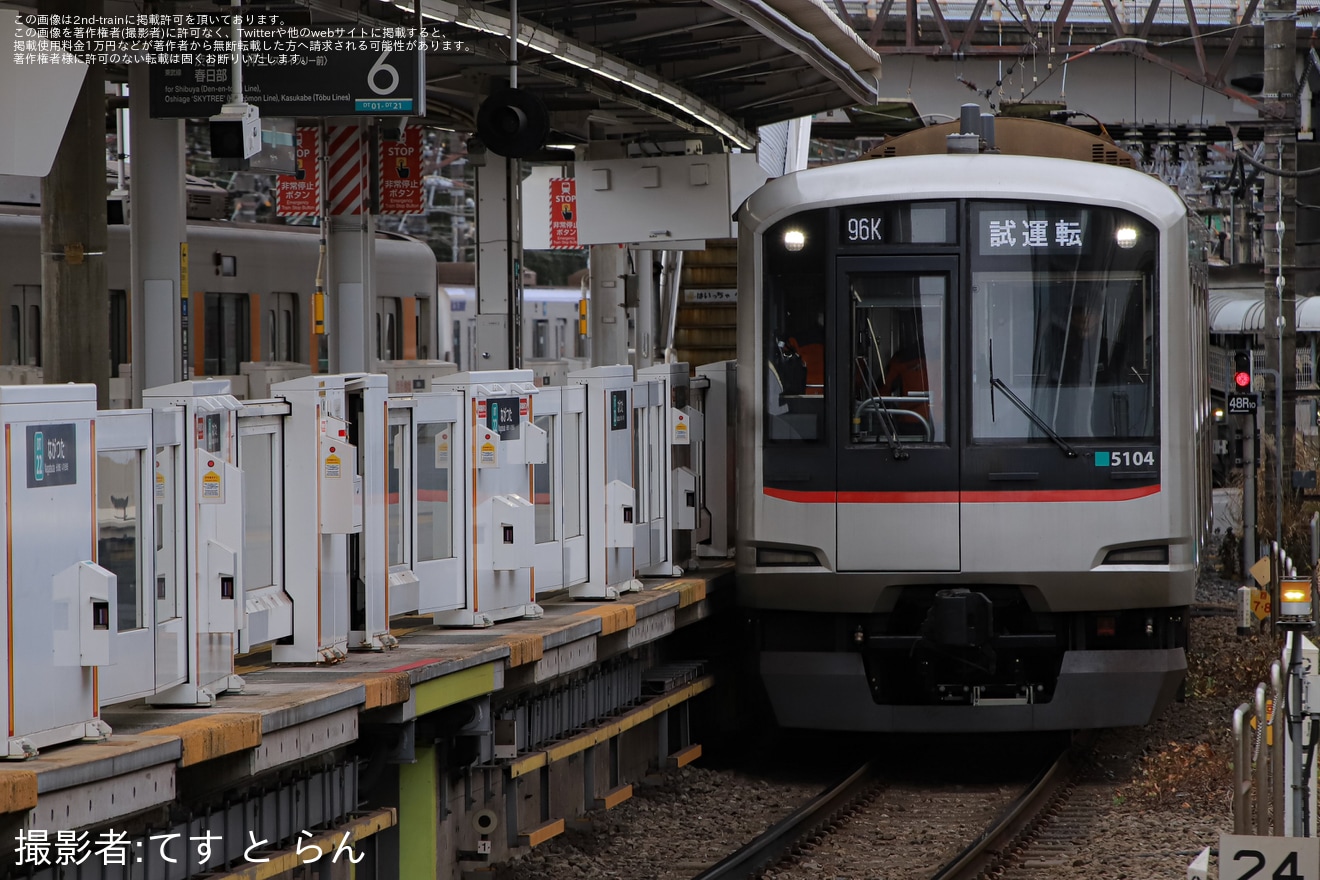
(513, 123)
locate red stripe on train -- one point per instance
(1008, 497)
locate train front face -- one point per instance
(970, 418)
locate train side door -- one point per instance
(898, 461)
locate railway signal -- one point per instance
(1242, 370)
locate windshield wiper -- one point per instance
(1030, 413)
(896, 449)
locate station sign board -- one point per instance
(326, 82)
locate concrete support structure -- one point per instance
(158, 215)
(609, 318)
(499, 264)
(351, 249)
(1281, 208)
(75, 306)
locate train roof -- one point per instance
(1242, 311)
(977, 176)
(1015, 137)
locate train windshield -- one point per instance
(1064, 316)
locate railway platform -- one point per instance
(294, 759)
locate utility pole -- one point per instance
(75, 305)
(1280, 228)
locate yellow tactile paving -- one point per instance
(613, 618)
(18, 790)
(385, 689)
(689, 591)
(523, 649)
(215, 736)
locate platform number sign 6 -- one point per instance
(1248, 857)
(382, 71)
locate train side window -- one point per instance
(423, 320)
(15, 352)
(458, 348)
(282, 328)
(228, 333)
(540, 337)
(33, 333)
(389, 332)
(119, 353)
(23, 335)
(561, 333)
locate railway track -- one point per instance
(931, 831)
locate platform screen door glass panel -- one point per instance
(435, 514)
(255, 455)
(543, 485)
(119, 530)
(898, 357)
(396, 520)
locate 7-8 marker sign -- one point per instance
(1248, 857)
(1247, 402)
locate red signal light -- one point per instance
(1242, 380)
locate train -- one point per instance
(251, 291)
(974, 435)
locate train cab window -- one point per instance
(795, 338)
(389, 332)
(282, 327)
(1064, 317)
(227, 338)
(119, 530)
(897, 367)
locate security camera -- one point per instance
(236, 132)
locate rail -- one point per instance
(985, 853)
(780, 839)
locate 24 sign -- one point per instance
(1249, 857)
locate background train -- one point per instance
(974, 435)
(251, 297)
